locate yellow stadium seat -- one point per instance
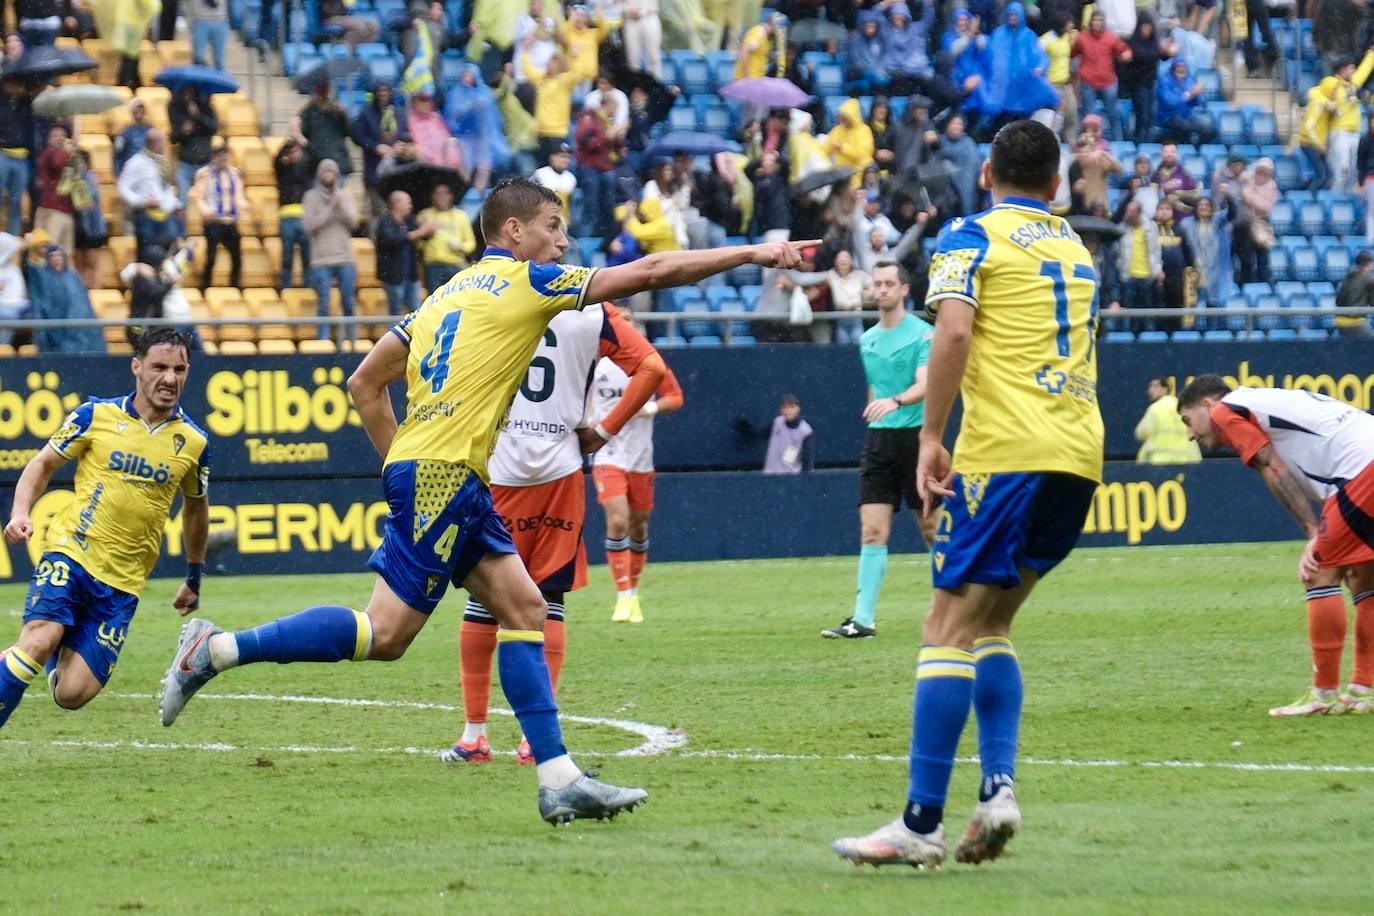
(195, 223)
(273, 145)
(301, 303)
(121, 347)
(115, 334)
(209, 347)
(257, 267)
(238, 115)
(373, 302)
(239, 309)
(266, 305)
(273, 346)
(27, 350)
(100, 152)
(272, 245)
(109, 303)
(174, 53)
(199, 313)
(90, 125)
(316, 346)
(257, 168)
(238, 348)
(102, 265)
(6, 351)
(365, 261)
(113, 209)
(264, 201)
(216, 297)
(361, 345)
(123, 248)
(116, 119)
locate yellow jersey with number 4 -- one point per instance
(1030, 389)
(470, 345)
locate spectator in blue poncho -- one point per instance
(1017, 84)
(863, 57)
(473, 118)
(964, 54)
(905, 57)
(57, 293)
(1180, 97)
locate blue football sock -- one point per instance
(944, 691)
(997, 697)
(317, 634)
(17, 671)
(872, 571)
(525, 681)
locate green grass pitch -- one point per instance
(1148, 675)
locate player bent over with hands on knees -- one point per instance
(1016, 301)
(132, 454)
(463, 354)
(1308, 447)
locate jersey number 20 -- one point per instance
(1055, 271)
(434, 364)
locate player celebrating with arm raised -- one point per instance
(132, 455)
(537, 487)
(1309, 447)
(623, 472)
(463, 354)
(1016, 302)
(894, 353)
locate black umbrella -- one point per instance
(47, 63)
(327, 71)
(815, 32)
(822, 179)
(419, 179)
(935, 169)
(1096, 227)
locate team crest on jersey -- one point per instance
(121, 425)
(178, 443)
(975, 488)
(949, 271)
(432, 583)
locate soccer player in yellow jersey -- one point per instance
(132, 455)
(1016, 302)
(463, 354)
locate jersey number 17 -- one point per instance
(1054, 270)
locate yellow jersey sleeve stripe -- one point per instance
(519, 636)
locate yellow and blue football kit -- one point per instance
(1029, 453)
(99, 552)
(470, 347)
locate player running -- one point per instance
(1016, 298)
(623, 472)
(463, 354)
(894, 353)
(1309, 447)
(537, 487)
(132, 455)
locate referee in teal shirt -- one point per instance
(894, 352)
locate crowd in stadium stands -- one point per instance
(593, 101)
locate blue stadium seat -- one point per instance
(451, 67)
(1231, 126)
(1123, 150)
(705, 340)
(1312, 334)
(810, 60)
(722, 71)
(1252, 291)
(1263, 127)
(1299, 195)
(1305, 264)
(1287, 172)
(1268, 322)
(1301, 301)
(694, 76)
(670, 341)
(1283, 218)
(749, 293)
(1279, 266)
(829, 79)
(1236, 307)
(715, 295)
(1152, 337)
(1196, 165)
(1281, 334)
(1287, 289)
(1336, 263)
(1119, 337)
(1217, 334)
(1342, 216)
(718, 119)
(747, 275)
(1211, 85)
(832, 108)
(742, 340)
(384, 69)
(682, 117)
(1187, 336)
(1312, 218)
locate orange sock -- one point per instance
(1364, 639)
(1326, 629)
(555, 649)
(618, 558)
(639, 555)
(476, 646)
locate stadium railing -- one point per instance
(727, 327)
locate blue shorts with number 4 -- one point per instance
(96, 616)
(995, 525)
(441, 524)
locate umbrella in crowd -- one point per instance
(768, 91)
(689, 143)
(47, 63)
(67, 101)
(815, 32)
(206, 80)
(419, 180)
(822, 179)
(1096, 227)
(935, 169)
(328, 71)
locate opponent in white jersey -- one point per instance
(537, 487)
(624, 475)
(1309, 447)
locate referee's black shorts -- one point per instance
(887, 468)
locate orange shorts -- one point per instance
(636, 486)
(545, 522)
(1345, 532)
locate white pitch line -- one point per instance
(657, 739)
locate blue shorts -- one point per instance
(998, 524)
(96, 616)
(442, 523)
